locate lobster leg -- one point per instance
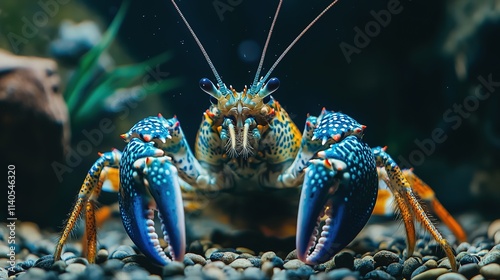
(87, 196)
(425, 193)
(409, 205)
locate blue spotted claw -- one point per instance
(148, 183)
(338, 196)
(332, 127)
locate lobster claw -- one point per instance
(149, 182)
(341, 189)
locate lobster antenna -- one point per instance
(297, 38)
(205, 54)
(261, 62)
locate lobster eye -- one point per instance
(207, 85)
(272, 85)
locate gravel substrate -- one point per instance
(375, 254)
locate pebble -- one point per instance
(173, 268)
(193, 271)
(267, 268)
(253, 273)
(344, 259)
(395, 270)
(241, 264)
(75, 268)
(225, 257)
(492, 256)
(196, 258)
(479, 258)
(378, 274)
(342, 273)
(409, 266)
(267, 256)
(364, 265)
(293, 264)
(292, 255)
(469, 270)
(429, 274)
(384, 258)
(214, 273)
(302, 272)
(122, 252)
(102, 256)
(490, 271)
(451, 276)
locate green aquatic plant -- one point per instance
(90, 85)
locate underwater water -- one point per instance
(423, 77)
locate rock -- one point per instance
(292, 255)
(59, 266)
(277, 262)
(214, 273)
(419, 270)
(293, 264)
(172, 269)
(342, 273)
(196, 258)
(431, 263)
(267, 268)
(241, 264)
(31, 104)
(384, 258)
(409, 266)
(196, 248)
(75, 268)
(102, 256)
(4, 274)
(463, 247)
(74, 40)
(302, 272)
(490, 271)
(112, 265)
(492, 256)
(255, 261)
(225, 257)
(34, 273)
(395, 270)
(430, 274)
(193, 271)
(469, 270)
(467, 259)
(451, 276)
(267, 256)
(94, 272)
(45, 262)
(253, 273)
(364, 265)
(344, 259)
(379, 275)
(81, 260)
(122, 252)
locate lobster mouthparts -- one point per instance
(148, 183)
(338, 196)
